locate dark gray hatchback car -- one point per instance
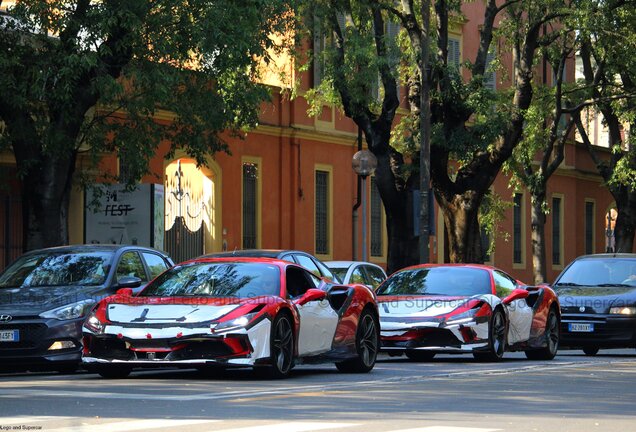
(598, 302)
(45, 295)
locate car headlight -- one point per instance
(623, 310)
(71, 311)
(94, 324)
(235, 324)
(479, 308)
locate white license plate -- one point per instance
(579, 327)
(9, 335)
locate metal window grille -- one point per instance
(125, 172)
(454, 55)
(516, 235)
(589, 227)
(556, 231)
(250, 197)
(376, 220)
(322, 212)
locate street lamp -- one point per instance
(364, 163)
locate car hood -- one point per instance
(173, 310)
(594, 299)
(35, 300)
(417, 306)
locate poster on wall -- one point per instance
(122, 217)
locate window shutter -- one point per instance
(454, 57)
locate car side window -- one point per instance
(503, 284)
(376, 277)
(288, 257)
(298, 281)
(130, 264)
(308, 263)
(156, 264)
(357, 277)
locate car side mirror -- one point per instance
(124, 292)
(129, 282)
(516, 295)
(312, 294)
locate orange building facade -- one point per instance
(289, 184)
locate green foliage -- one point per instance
(91, 77)
(491, 213)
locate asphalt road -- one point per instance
(449, 394)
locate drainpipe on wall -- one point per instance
(356, 206)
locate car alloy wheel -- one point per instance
(496, 339)
(552, 337)
(367, 345)
(282, 347)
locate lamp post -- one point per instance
(364, 163)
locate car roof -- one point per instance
(348, 263)
(268, 253)
(466, 265)
(608, 255)
(83, 248)
(239, 259)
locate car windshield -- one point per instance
(608, 272)
(50, 269)
(204, 279)
(439, 281)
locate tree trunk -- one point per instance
(462, 228)
(537, 221)
(46, 193)
(625, 227)
(402, 248)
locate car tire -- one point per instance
(420, 356)
(590, 351)
(367, 345)
(281, 345)
(497, 331)
(113, 372)
(552, 333)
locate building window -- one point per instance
(322, 212)
(454, 53)
(589, 227)
(556, 230)
(376, 221)
(125, 170)
(517, 234)
(250, 205)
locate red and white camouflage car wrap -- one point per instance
(466, 308)
(234, 312)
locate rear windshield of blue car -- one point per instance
(599, 272)
(438, 281)
(240, 280)
(54, 268)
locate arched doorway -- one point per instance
(192, 209)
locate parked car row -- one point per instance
(273, 309)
